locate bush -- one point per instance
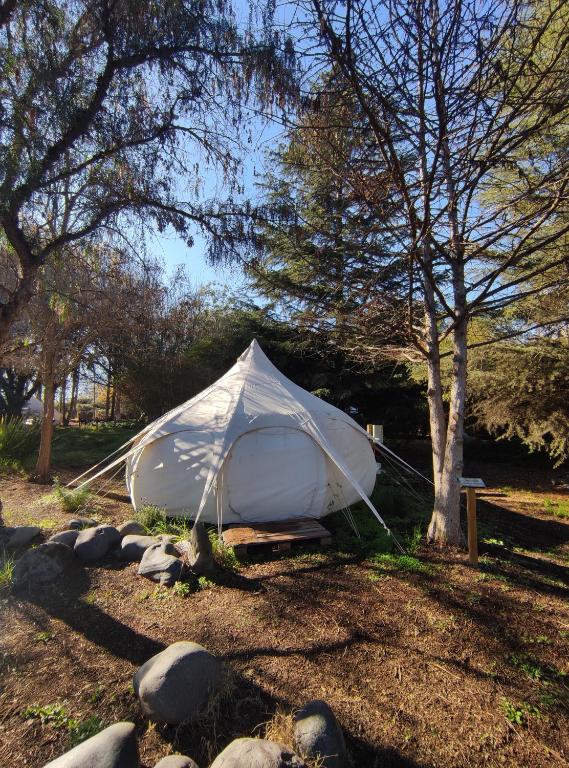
(18, 441)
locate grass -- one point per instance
(7, 564)
(81, 447)
(18, 442)
(280, 728)
(557, 508)
(156, 522)
(70, 499)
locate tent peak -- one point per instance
(253, 350)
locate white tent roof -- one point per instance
(253, 445)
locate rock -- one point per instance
(64, 537)
(78, 523)
(19, 536)
(256, 753)
(200, 555)
(132, 528)
(159, 563)
(176, 761)
(174, 685)
(94, 543)
(115, 747)
(318, 734)
(133, 547)
(41, 565)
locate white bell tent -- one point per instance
(253, 447)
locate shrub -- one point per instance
(71, 500)
(18, 441)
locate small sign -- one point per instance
(472, 482)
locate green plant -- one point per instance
(557, 508)
(18, 441)
(406, 563)
(7, 564)
(205, 583)
(154, 519)
(44, 637)
(97, 694)
(56, 714)
(81, 730)
(182, 589)
(518, 715)
(223, 555)
(71, 500)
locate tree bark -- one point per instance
(74, 393)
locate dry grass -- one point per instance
(280, 728)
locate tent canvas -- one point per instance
(34, 408)
(252, 447)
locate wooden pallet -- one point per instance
(280, 536)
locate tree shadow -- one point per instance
(67, 601)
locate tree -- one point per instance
(452, 94)
(113, 105)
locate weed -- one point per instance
(223, 555)
(81, 730)
(406, 563)
(182, 589)
(97, 695)
(142, 595)
(56, 714)
(156, 522)
(71, 500)
(557, 508)
(518, 715)
(90, 597)
(205, 583)
(7, 564)
(161, 593)
(537, 640)
(44, 637)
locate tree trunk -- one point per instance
(74, 394)
(113, 401)
(43, 465)
(62, 403)
(444, 527)
(108, 396)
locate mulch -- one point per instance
(421, 668)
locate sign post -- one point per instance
(471, 484)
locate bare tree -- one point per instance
(454, 94)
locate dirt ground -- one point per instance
(442, 665)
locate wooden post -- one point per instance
(471, 484)
(472, 531)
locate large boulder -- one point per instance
(256, 753)
(78, 523)
(176, 761)
(133, 547)
(41, 565)
(200, 555)
(131, 528)
(115, 747)
(18, 537)
(317, 734)
(161, 564)
(93, 544)
(65, 537)
(174, 685)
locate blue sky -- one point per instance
(170, 248)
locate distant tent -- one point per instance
(34, 408)
(252, 447)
